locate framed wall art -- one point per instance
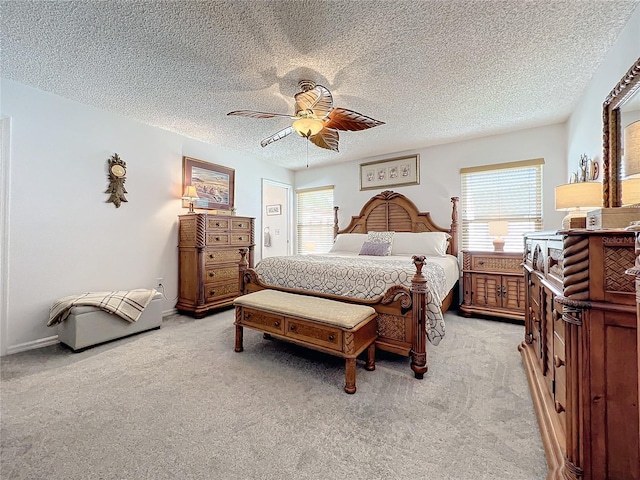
(392, 172)
(273, 210)
(214, 184)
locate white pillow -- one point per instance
(422, 243)
(349, 242)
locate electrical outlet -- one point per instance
(159, 281)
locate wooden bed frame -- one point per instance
(401, 310)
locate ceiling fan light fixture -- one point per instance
(307, 127)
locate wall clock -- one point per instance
(117, 177)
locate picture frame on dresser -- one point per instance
(215, 184)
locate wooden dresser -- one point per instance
(208, 260)
(580, 352)
(493, 284)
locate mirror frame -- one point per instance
(612, 135)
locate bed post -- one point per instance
(242, 267)
(335, 222)
(454, 226)
(419, 296)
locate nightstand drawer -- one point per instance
(496, 264)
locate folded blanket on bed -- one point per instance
(127, 304)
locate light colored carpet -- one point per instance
(179, 403)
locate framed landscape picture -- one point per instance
(214, 184)
(393, 172)
(273, 210)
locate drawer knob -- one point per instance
(211, 255)
(217, 224)
(481, 262)
(212, 274)
(212, 292)
(332, 338)
(241, 225)
(292, 328)
(246, 316)
(559, 407)
(217, 239)
(240, 238)
(557, 361)
(276, 324)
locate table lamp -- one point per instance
(577, 198)
(191, 196)
(498, 228)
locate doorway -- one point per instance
(275, 238)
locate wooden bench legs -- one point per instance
(350, 362)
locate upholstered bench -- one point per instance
(87, 326)
(337, 328)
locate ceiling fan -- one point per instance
(315, 118)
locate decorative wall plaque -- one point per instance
(117, 177)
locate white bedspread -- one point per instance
(365, 277)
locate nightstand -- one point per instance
(493, 284)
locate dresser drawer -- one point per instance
(323, 336)
(213, 291)
(221, 273)
(269, 322)
(217, 238)
(241, 225)
(240, 238)
(230, 255)
(218, 224)
(560, 397)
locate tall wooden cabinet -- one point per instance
(209, 256)
(580, 352)
(493, 284)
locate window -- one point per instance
(315, 220)
(510, 192)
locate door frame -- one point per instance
(287, 209)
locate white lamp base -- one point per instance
(498, 244)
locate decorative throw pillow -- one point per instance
(378, 249)
(381, 237)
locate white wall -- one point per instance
(63, 238)
(440, 172)
(584, 134)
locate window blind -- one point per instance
(315, 220)
(510, 192)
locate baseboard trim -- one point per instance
(167, 313)
(40, 343)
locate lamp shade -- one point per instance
(631, 191)
(190, 193)
(632, 150)
(307, 127)
(581, 195)
(497, 228)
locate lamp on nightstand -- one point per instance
(497, 229)
(191, 196)
(577, 198)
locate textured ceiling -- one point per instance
(433, 71)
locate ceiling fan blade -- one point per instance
(318, 99)
(253, 114)
(344, 119)
(326, 138)
(277, 136)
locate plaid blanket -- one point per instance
(127, 304)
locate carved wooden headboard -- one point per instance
(391, 211)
